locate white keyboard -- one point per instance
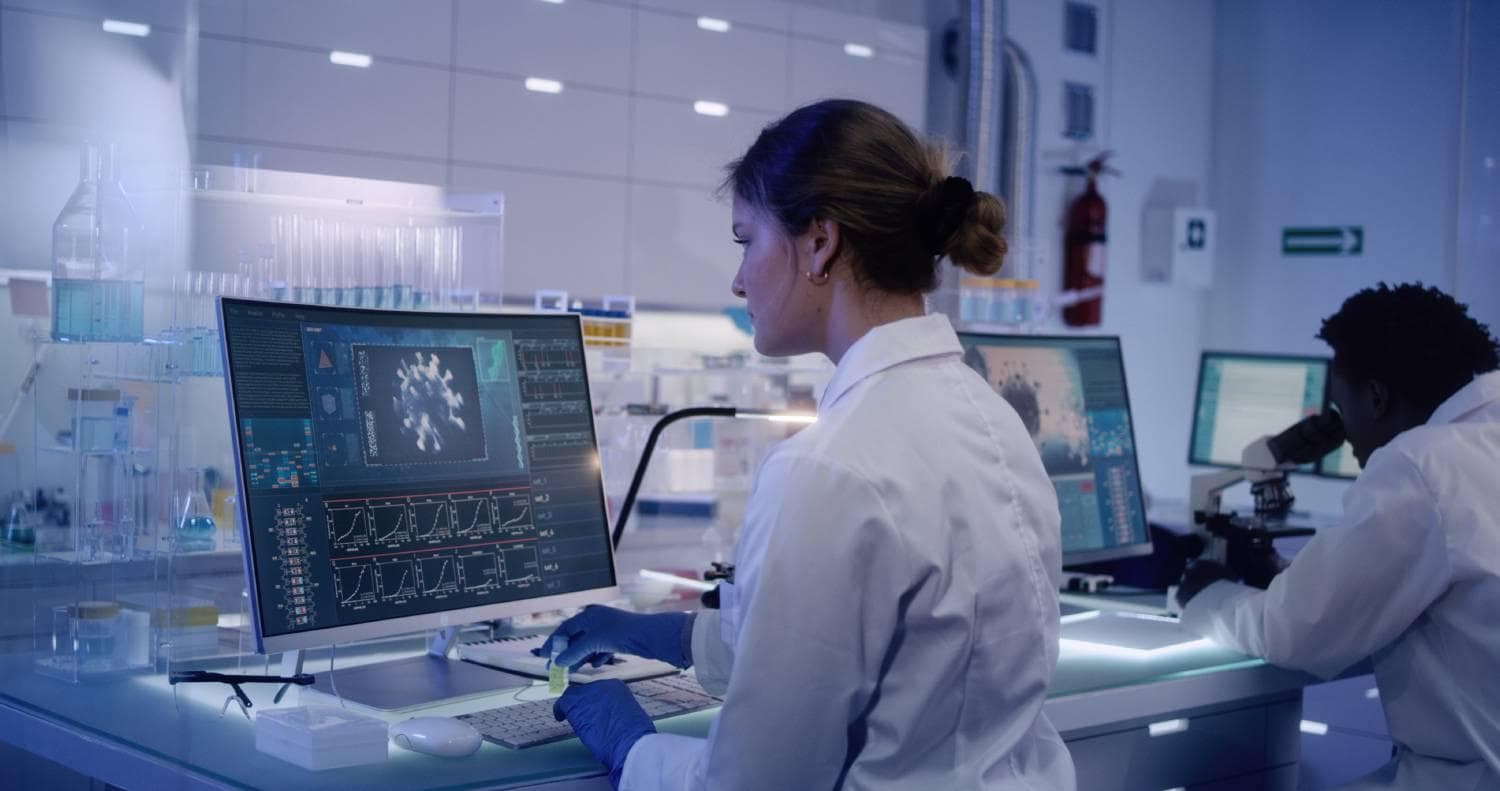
(531, 723)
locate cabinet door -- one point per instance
(672, 143)
(579, 131)
(744, 67)
(583, 42)
(417, 31)
(680, 248)
(896, 81)
(560, 231)
(299, 97)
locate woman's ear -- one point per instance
(821, 245)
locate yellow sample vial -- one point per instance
(557, 675)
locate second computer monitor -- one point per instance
(1070, 394)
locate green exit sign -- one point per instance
(1341, 240)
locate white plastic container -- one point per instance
(321, 737)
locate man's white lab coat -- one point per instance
(1412, 580)
(893, 618)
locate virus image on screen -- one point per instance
(418, 404)
(1043, 386)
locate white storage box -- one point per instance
(321, 737)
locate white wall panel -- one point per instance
(578, 131)
(771, 14)
(395, 28)
(221, 87)
(744, 66)
(878, 33)
(560, 231)
(673, 143)
(893, 80)
(578, 41)
(680, 247)
(299, 97)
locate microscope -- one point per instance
(1242, 542)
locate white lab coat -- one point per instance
(893, 618)
(1412, 580)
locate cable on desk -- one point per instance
(333, 678)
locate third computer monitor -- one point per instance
(1070, 394)
(1242, 397)
(406, 470)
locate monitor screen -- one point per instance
(1243, 397)
(403, 470)
(1070, 394)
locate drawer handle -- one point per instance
(1167, 727)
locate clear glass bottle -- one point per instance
(98, 280)
(195, 528)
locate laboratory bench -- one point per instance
(1194, 716)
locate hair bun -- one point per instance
(943, 210)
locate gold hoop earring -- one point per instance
(817, 280)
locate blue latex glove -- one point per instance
(608, 720)
(599, 632)
(1199, 575)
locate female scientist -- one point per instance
(893, 617)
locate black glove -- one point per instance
(1199, 575)
(1255, 563)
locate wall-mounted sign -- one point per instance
(1328, 240)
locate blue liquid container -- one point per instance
(98, 282)
(195, 534)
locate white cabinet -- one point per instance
(769, 14)
(680, 247)
(301, 160)
(560, 231)
(497, 121)
(878, 34)
(894, 80)
(579, 41)
(742, 67)
(419, 31)
(299, 97)
(674, 143)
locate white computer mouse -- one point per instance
(443, 736)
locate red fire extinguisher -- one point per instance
(1084, 249)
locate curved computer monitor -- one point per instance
(1070, 394)
(1243, 396)
(402, 470)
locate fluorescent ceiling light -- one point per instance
(554, 2)
(1167, 727)
(1373, 693)
(715, 109)
(358, 60)
(714, 24)
(859, 50)
(1314, 728)
(126, 28)
(543, 86)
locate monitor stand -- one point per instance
(413, 682)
